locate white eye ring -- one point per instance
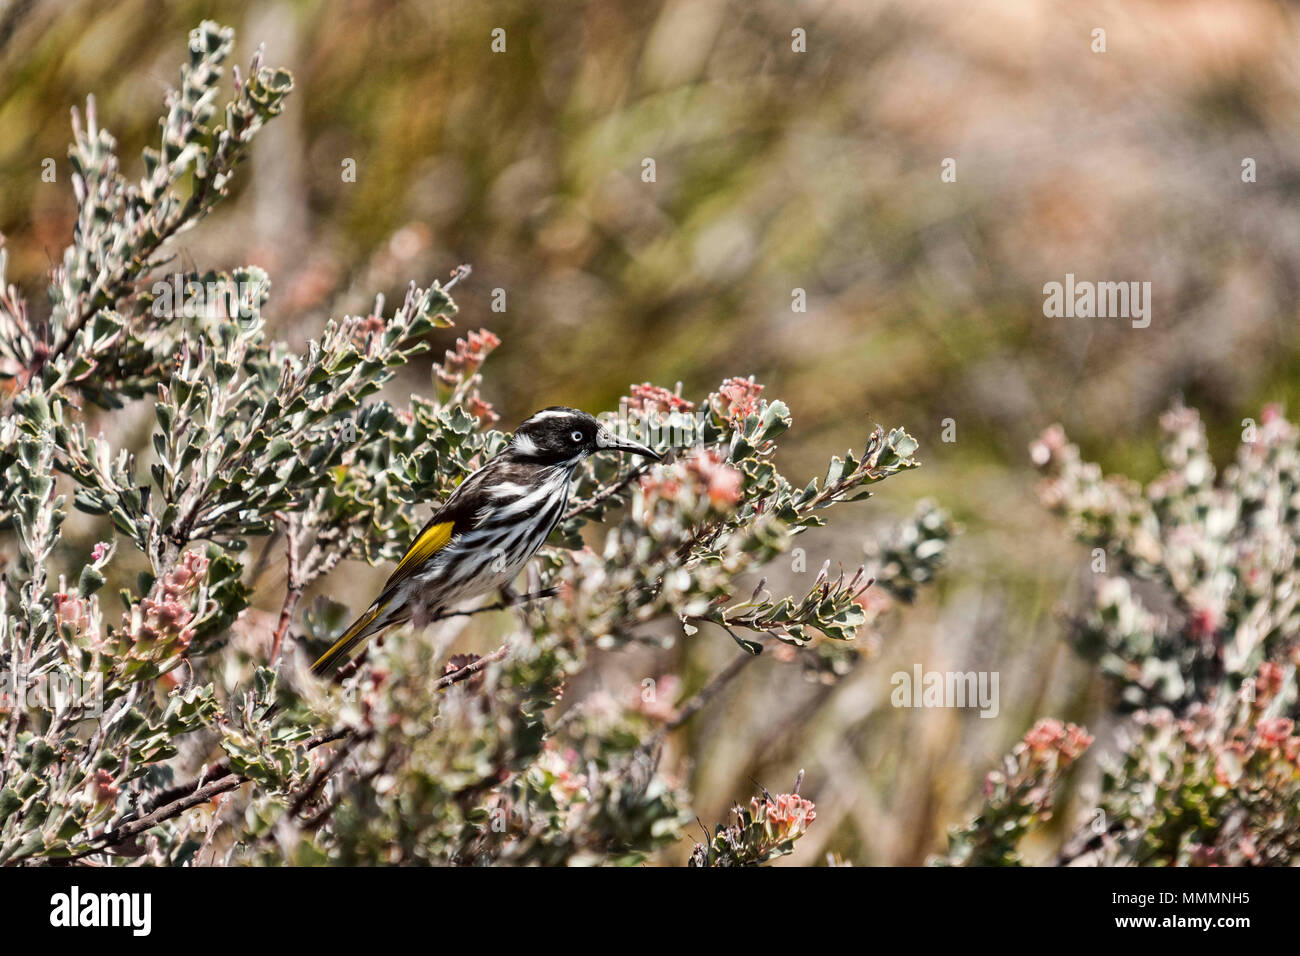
(577, 436)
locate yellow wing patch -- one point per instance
(430, 541)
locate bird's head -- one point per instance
(559, 435)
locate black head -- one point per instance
(559, 436)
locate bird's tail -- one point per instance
(370, 622)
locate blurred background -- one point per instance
(774, 171)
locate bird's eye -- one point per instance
(577, 436)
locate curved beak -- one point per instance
(608, 441)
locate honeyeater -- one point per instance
(484, 534)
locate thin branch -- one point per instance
(470, 669)
(708, 692)
(291, 598)
(702, 697)
(337, 758)
(221, 768)
(125, 831)
(587, 504)
(500, 605)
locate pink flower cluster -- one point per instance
(106, 791)
(72, 613)
(1048, 446)
(168, 615)
(786, 816)
(482, 410)
(371, 324)
(1268, 683)
(463, 362)
(648, 399)
(1275, 733)
(706, 472)
(562, 766)
(1052, 738)
(736, 398)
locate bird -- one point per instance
(491, 525)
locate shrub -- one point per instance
(1196, 627)
(119, 721)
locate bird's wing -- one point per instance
(456, 516)
(432, 539)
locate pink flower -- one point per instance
(660, 705)
(1051, 737)
(105, 790)
(1275, 731)
(1044, 734)
(724, 486)
(464, 361)
(787, 816)
(1077, 740)
(1204, 622)
(653, 398)
(482, 410)
(1269, 682)
(371, 325)
(705, 475)
(166, 616)
(736, 398)
(70, 611)
(1051, 441)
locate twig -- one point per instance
(291, 598)
(702, 697)
(294, 584)
(325, 773)
(129, 829)
(221, 768)
(499, 605)
(470, 669)
(708, 692)
(587, 504)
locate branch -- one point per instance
(470, 669)
(586, 504)
(294, 586)
(129, 829)
(291, 598)
(692, 706)
(708, 692)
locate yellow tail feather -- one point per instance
(351, 637)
